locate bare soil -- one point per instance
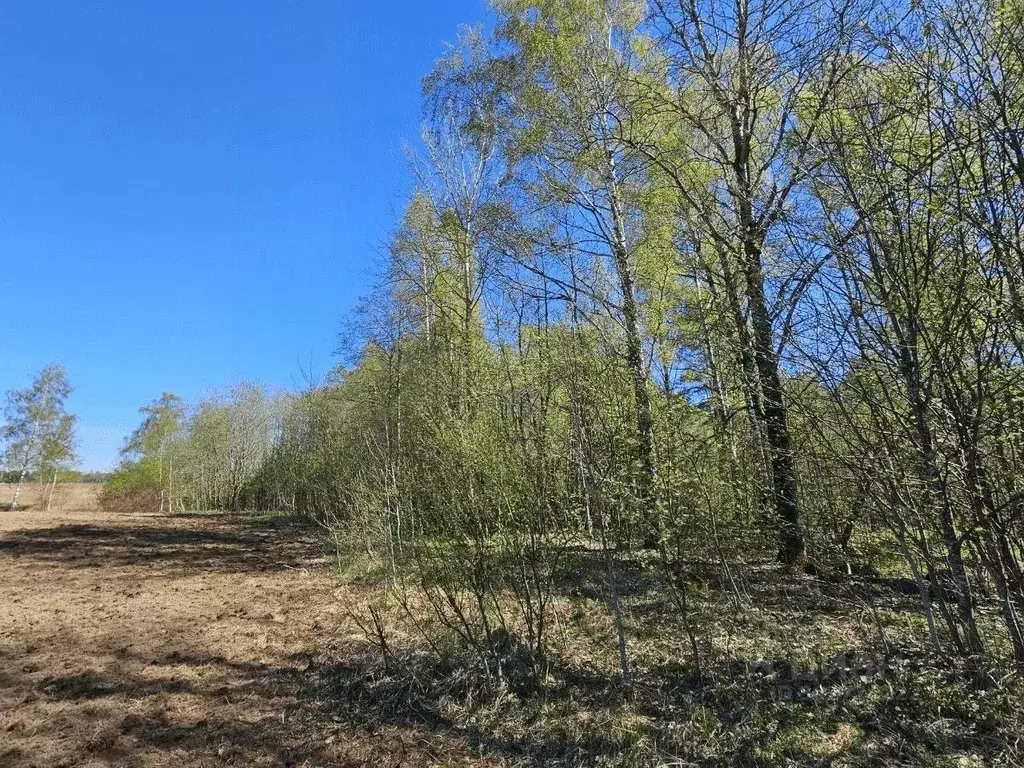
(163, 640)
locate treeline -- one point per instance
(11, 476)
(718, 282)
(197, 457)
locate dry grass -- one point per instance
(67, 497)
(795, 674)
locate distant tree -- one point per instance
(57, 453)
(151, 441)
(37, 428)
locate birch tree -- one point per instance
(152, 440)
(568, 100)
(57, 453)
(37, 424)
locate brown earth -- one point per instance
(173, 640)
(66, 497)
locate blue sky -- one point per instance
(193, 193)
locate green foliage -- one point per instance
(203, 457)
(134, 486)
(39, 435)
(683, 289)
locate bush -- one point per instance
(133, 487)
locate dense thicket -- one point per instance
(712, 281)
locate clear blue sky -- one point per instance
(196, 192)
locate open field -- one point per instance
(150, 640)
(67, 497)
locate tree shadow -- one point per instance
(583, 573)
(84, 686)
(204, 710)
(173, 543)
(767, 706)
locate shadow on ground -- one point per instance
(756, 713)
(203, 708)
(238, 702)
(223, 543)
(196, 673)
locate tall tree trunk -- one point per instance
(53, 487)
(17, 488)
(774, 410)
(28, 451)
(934, 482)
(743, 115)
(634, 358)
